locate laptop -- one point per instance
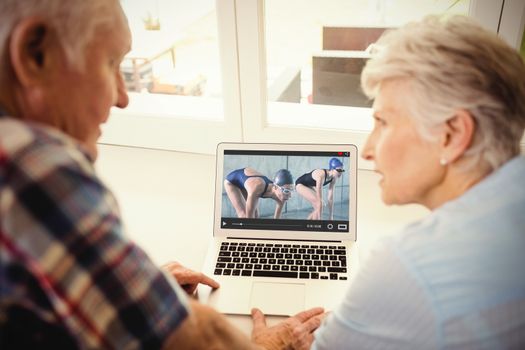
(287, 263)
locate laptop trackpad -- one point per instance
(278, 298)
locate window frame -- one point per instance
(244, 118)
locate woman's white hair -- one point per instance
(75, 21)
(450, 64)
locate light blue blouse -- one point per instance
(454, 280)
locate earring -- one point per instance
(443, 161)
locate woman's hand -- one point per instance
(294, 333)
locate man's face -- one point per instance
(79, 100)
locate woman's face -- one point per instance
(284, 192)
(408, 164)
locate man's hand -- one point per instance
(293, 333)
(188, 279)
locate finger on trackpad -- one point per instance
(278, 298)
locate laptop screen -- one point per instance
(285, 190)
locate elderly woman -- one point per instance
(449, 114)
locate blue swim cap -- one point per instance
(283, 177)
(335, 163)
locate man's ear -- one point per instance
(29, 50)
(458, 135)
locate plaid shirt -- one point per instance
(68, 276)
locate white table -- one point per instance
(166, 200)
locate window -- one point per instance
(280, 64)
(178, 99)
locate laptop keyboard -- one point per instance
(325, 262)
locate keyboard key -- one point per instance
(324, 277)
(220, 265)
(314, 276)
(285, 268)
(337, 269)
(333, 276)
(312, 269)
(249, 266)
(257, 267)
(303, 268)
(286, 274)
(231, 265)
(236, 260)
(217, 272)
(227, 272)
(343, 278)
(276, 267)
(224, 259)
(294, 268)
(246, 273)
(236, 272)
(339, 252)
(267, 267)
(304, 275)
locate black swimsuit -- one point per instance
(308, 181)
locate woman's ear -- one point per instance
(30, 50)
(458, 135)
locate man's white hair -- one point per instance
(75, 21)
(450, 64)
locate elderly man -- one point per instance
(68, 276)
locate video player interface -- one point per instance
(286, 190)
